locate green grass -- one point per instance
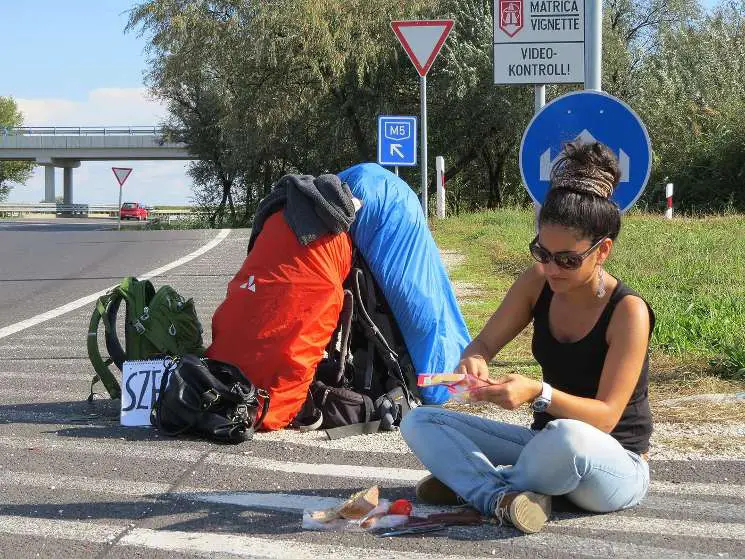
(691, 271)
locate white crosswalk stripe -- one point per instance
(193, 543)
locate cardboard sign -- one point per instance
(140, 388)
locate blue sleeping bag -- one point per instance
(395, 241)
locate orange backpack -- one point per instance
(280, 312)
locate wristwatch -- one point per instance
(544, 400)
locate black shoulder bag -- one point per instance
(209, 399)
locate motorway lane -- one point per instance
(70, 473)
(43, 266)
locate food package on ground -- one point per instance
(361, 508)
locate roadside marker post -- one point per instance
(440, 167)
(422, 41)
(669, 196)
(121, 174)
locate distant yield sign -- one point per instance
(397, 141)
(587, 116)
(422, 40)
(121, 174)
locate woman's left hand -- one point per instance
(509, 392)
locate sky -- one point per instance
(73, 65)
(69, 63)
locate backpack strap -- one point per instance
(101, 366)
(376, 338)
(106, 310)
(345, 332)
(113, 345)
(371, 303)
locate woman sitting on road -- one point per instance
(591, 424)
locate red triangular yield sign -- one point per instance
(422, 40)
(121, 174)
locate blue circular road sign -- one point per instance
(587, 116)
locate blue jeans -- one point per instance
(481, 460)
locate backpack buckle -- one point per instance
(172, 330)
(209, 398)
(139, 327)
(145, 314)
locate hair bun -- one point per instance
(586, 169)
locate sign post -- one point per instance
(594, 45)
(422, 41)
(587, 116)
(121, 174)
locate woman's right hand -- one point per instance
(474, 365)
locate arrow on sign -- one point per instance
(121, 174)
(396, 150)
(584, 137)
(422, 40)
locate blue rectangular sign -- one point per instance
(397, 141)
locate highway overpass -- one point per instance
(67, 146)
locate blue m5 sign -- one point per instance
(397, 141)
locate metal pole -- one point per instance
(119, 211)
(540, 97)
(540, 102)
(593, 44)
(423, 97)
(395, 170)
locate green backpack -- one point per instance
(157, 323)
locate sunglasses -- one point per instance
(568, 260)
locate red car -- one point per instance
(133, 210)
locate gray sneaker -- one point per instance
(526, 511)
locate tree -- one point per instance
(258, 89)
(694, 107)
(11, 171)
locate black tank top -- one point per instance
(575, 368)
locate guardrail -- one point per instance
(82, 210)
(81, 131)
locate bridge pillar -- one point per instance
(49, 189)
(67, 199)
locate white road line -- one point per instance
(120, 448)
(274, 501)
(108, 448)
(295, 502)
(201, 543)
(558, 542)
(86, 376)
(231, 545)
(87, 300)
(693, 507)
(22, 397)
(55, 349)
(58, 482)
(576, 546)
(697, 489)
(63, 529)
(661, 526)
(248, 546)
(335, 470)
